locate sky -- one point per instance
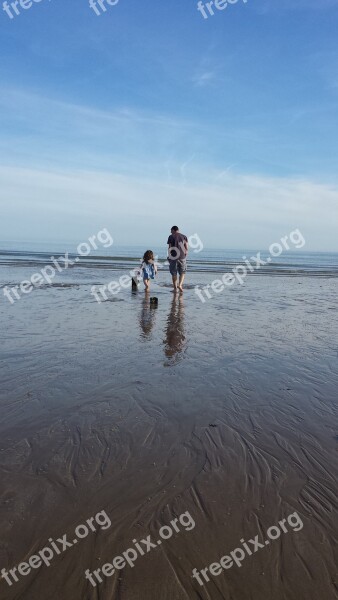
(149, 115)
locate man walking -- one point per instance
(177, 257)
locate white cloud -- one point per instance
(204, 78)
(70, 169)
(237, 211)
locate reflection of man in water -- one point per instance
(175, 339)
(147, 318)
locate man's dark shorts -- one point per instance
(178, 266)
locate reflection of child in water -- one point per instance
(148, 269)
(147, 318)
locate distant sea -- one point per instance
(124, 258)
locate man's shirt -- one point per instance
(178, 241)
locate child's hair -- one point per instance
(148, 255)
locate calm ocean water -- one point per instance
(14, 256)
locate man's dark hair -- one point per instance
(174, 228)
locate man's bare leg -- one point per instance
(180, 283)
(174, 283)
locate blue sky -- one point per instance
(150, 115)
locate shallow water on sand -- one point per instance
(226, 408)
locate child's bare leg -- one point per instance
(175, 282)
(146, 285)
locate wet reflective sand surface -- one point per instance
(226, 409)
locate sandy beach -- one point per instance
(226, 410)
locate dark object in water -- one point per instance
(134, 284)
(212, 425)
(154, 301)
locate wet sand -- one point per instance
(226, 409)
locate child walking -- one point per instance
(148, 268)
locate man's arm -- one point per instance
(169, 246)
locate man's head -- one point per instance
(174, 230)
